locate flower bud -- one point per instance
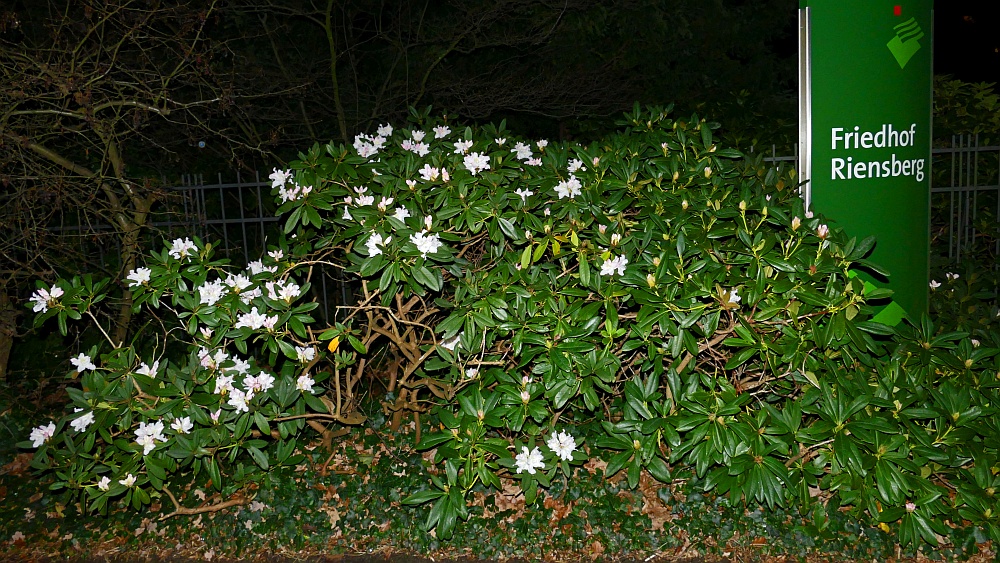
(796, 223)
(656, 261)
(677, 174)
(743, 205)
(650, 280)
(684, 205)
(708, 171)
(615, 239)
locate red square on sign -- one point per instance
(897, 10)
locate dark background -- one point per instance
(967, 39)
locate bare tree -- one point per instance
(97, 98)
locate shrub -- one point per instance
(651, 299)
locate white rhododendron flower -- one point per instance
(41, 434)
(542, 144)
(253, 320)
(533, 162)
(148, 370)
(238, 400)
(182, 425)
(614, 266)
(280, 177)
(305, 353)
(293, 193)
(569, 188)
(258, 267)
(239, 366)
(385, 203)
(418, 135)
(128, 481)
(104, 483)
(259, 383)
(283, 290)
(374, 242)
(426, 244)
(471, 373)
(82, 363)
(429, 173)
(384, 130)
(822, 231)
(441, 131)
(525, 396)
(524, 194)
(368, 146)
(521, 151)
(462, 147)
(237, 283)
(211, 292)
(935, 284)
(529, 461)
(148, 435)
(420, 149)
(223, 384)
(81, 422)
(401, 213)
(138, 277)
(562, 444)
(42, 298)
(951, 276)
(305, 383)
(734, 298)
(576, 165)
(477, 162)
(451, 344)
(182, 248)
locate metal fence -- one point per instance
(239, 217)
(965, 196)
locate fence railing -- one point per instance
(965, 195)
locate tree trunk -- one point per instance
(131, 240)
(8, 328)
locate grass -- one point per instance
(347, 501)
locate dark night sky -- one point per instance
(967, 39)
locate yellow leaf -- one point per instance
(332, 346)
(884, 527)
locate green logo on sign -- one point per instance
(906, 43)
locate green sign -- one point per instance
(865, 91)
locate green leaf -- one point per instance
(422, 497)
(426, 278)
(259, 457)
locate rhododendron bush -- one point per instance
(652, 299)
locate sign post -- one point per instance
(865, 95)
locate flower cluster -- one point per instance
(43, 299)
